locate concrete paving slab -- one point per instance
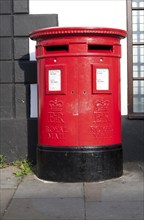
(31, 187)
(111, 191)
(5, 197)
(114, 210)
(129, 187)
(8, 179)
(132, 172)
(8, 186)
(93, 191)
(116, 199)
(46, 209)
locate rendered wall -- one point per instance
(18, 131)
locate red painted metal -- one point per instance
(79, 86)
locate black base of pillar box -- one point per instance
(79, 164)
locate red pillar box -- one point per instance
(79, 116)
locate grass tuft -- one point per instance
(24, 167)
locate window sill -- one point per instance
(136, 116)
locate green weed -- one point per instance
(2, 161)
(24, 168)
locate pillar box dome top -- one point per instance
(56, 32)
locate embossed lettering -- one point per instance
(56, 132)
(55, 117)
(58, 136)
(58, 129)
(102, 131)
(101, 117)
(101, 126)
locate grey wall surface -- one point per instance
(18, 132)
(133, 139)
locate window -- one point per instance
(135, 27)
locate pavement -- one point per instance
(29, 198)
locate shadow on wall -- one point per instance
(29, 70)
(133, 139)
